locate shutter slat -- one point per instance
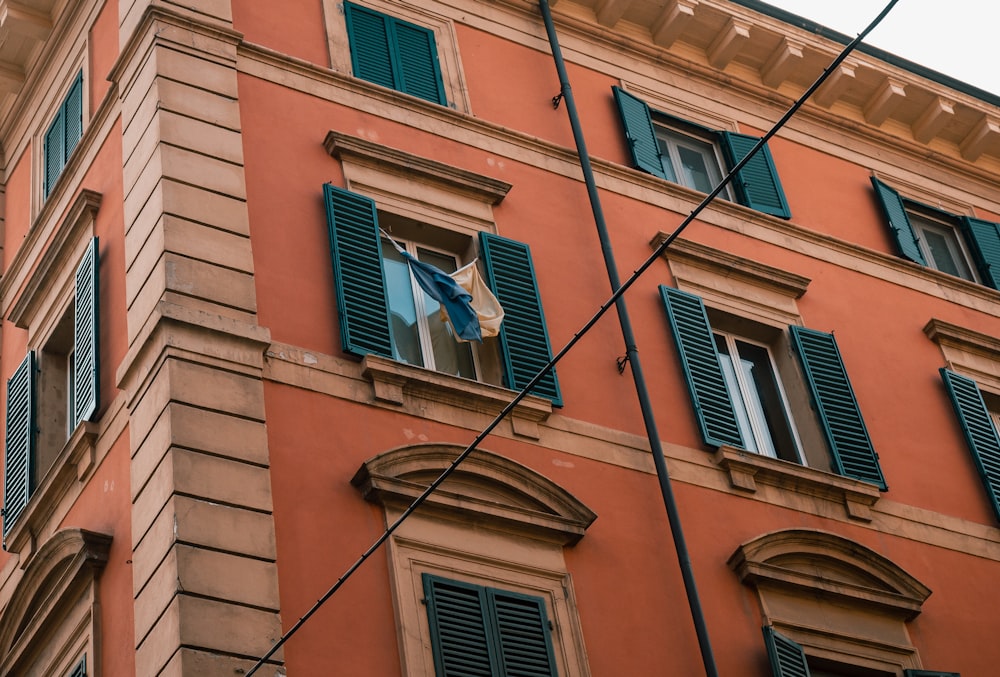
(639, 133)
(984, 241)
(73, 114)
(522, 629)
(850, 445)
(524, 339)
(419, 69)
(371, 51)
(19, 442)
(757, 184)
(979, 431)
(787, 657)
(899, 223)
(86, 336)
(54, 151)
(706, 384)
(457, 615)
(356, 253)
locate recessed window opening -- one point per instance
(690, 160)
(55, 399)
(758, 397)
(941, 244)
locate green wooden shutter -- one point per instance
(19, 444)
(356, 252)
(371, 50)
(80, 669)
(787, 657)
(639, 133)
(73, 116)
(524, 339)
(700, 360)
(980, 433)
(899, 223)
(929, 673)
(419, 72)
(522, 630)
(86, 337)
(54, 150)
(984, 241)
(757, 184)
(833, 398)
(460, 640)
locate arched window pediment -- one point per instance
(829, 566)
(486, 488)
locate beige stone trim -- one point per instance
(967, 352)
(835, 597)
(53, 615)
(418, 13)
(396, 383)
(735, 284)
(484, 488)
(746, 469)
(26, 291)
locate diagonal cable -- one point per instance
(626, 285)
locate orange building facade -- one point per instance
(223, 380)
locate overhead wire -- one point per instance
(587, 326)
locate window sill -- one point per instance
(746, 469)
(75, 463)
(394, 382)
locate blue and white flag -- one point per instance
(453, 299)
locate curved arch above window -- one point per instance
(54, 606)
(485, 488)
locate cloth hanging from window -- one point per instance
(484, 303)
(452, 297)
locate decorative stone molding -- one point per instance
(746, 469)
(394, 382)
(44, 610)
(818, 564)
(485, 489)
(966, 351)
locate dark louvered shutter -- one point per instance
(86, 337)
(979, 430)
(833, 398)
(929, 673)
(757, 184)
(54, 150)
(73, 114)
(457, 614)
(80, 669)
(696, 346)
(639, 133)
(524, 339)
(899, 223)
(984, 241)
(787, 657)
(356, 251)
(418, 67)
(371, 50)
(522, 629)
(19, 444)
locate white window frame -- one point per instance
(671, 140)
(922, 222)
(423, 329)
(745, 390)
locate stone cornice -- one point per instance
(21, 308)
(942, 332)
(352, 148)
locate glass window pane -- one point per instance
(766, 402)
(450, 355)
(735, 394)
(668, 165)
(406, 339)
(944, 254)
(695, 168)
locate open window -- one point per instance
(382, 311)
(54, 389)
(739, 400)
(962, 246)
(697, 157)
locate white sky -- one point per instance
(954, 37)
